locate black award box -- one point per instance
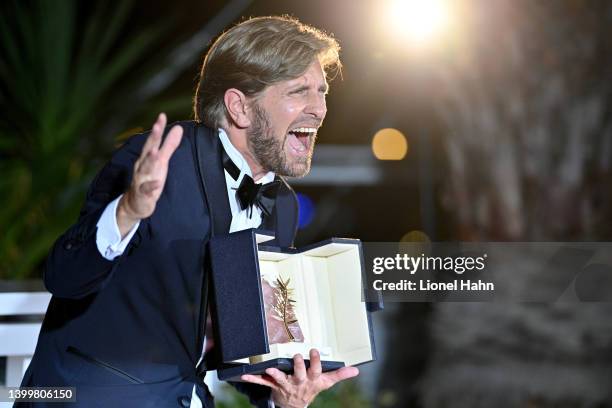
(269, 304)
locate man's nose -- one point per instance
(317, 106)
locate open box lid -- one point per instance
(238, 311)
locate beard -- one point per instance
(268, 148)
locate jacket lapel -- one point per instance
(210, 168)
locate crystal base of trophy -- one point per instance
(271, 303)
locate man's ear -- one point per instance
(236, 105)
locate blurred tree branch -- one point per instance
(529, 125)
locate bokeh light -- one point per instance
(389, 144)
(307, 210)
(418, 21)
(415, 236)
(420, 243)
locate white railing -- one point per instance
(18, 338)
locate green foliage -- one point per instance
(60, 73)
(233, 399)
(344, 395)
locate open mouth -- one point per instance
(299, 139)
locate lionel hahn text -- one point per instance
(428, 285)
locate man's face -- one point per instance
(285, 118)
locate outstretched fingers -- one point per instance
(171, 142)
(315, 369)
(341, 374)
(259, 379)
(153, 156)
(299, 369)
(153, 141)
(279, 377)
(151, 170)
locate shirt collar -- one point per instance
(239, 160)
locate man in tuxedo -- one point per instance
(126, 323)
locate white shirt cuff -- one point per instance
(108, 238)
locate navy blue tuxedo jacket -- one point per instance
(129, 332)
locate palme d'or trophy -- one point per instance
(281, 321)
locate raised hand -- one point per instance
(299, 389)
(149, 176)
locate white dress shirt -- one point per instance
(110, 245)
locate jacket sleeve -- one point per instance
(75, 268)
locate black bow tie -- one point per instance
(250, 193)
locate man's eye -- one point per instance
(299, 92)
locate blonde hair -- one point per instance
(257, 53)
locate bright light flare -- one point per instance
(418, 20)
(389, 144)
